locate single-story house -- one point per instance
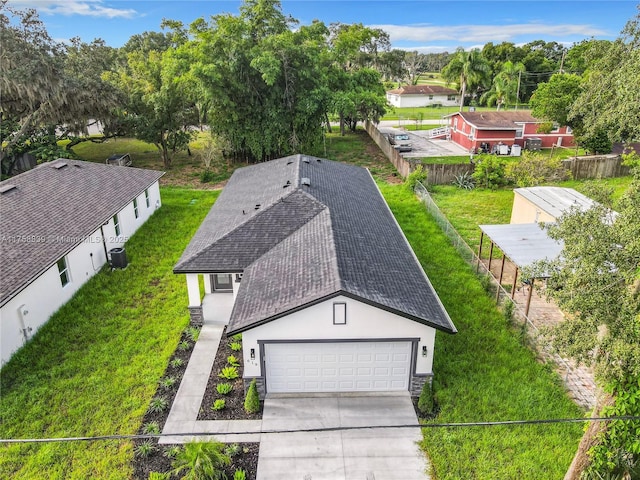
(326, 291)
(545, 204)
(59, 223)
(422, 96)
(472, 129)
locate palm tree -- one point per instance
(497, 95)
(469, 69)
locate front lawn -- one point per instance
(94, 367)
(484, 373)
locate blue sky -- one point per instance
(423, 25)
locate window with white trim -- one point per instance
(63, 271)
(146, 198)
(116, 225)
(455, 124)
(135, 208)
(451, 98)
(520, 132)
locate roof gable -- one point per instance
(65, 199)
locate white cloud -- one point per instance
(483, 33)
(91, 8)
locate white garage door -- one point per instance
(337, 367)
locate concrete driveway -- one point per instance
(341, 452)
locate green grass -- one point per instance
(484, 373)
(94, 367)
(428, 113)
(357, 148)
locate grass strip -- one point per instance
(484, 373)
(94, 367)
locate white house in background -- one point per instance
(545, 204)
(422, 96)
(58, 224)
(326, 291)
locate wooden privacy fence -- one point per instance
(598, 166)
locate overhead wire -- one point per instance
(322, 429)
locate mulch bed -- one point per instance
(245, 457)
(234, 401)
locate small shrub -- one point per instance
(425, 402)
(232, 450)
(485, 281)
(184, 345)
(167, 382)
(192, 333)
(176, 362)
(489, 172)
(158, 404)
(418, 175)
(534, 169)
(507, 310)
(159, 476)
(252, 400)
(172, 451)
(224, 388)
(219, 404)
(235, 346)
(239, 475)
(464, 180)
(245, 450)
(151, 428)
(229, 373)
(201, 460)
(237, 337)
(207, 176)
(233, 361)
(145, 449)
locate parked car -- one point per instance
(400, 141)
(119, 159)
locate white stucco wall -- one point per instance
(316, 323)
(404, 101)
(45, 295)
(525, 211)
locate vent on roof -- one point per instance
(289, 162)
(288, 184)
(305, 181)
(305, 160)
(257, 206)
(59, 165)
(319, 160)
(6, 188)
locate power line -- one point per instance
(323, 429)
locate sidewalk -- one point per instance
(184, 411)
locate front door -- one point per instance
(222, 282)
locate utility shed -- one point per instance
(545, 204)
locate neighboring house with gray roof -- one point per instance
(58, 224)
(319, 279)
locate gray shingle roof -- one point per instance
(61, 206)
(335, 236)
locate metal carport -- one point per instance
(524, 244)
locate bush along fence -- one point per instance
(572, 377)
(582, 168)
